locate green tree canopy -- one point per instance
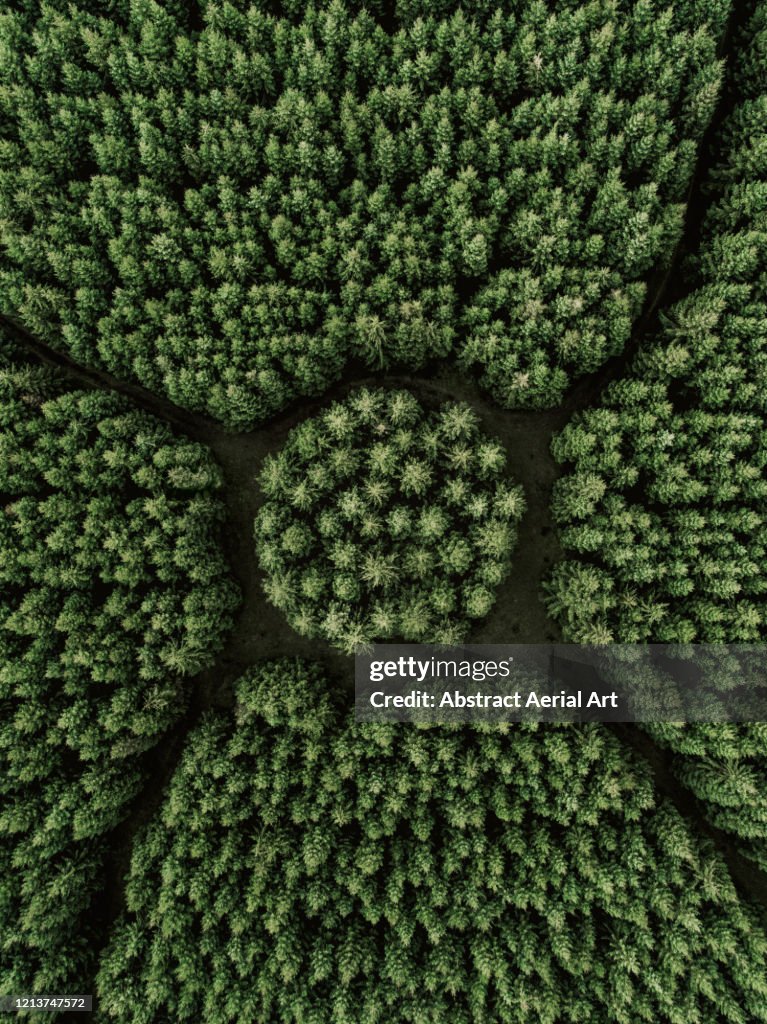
(113, 587)
(383, 521)
(308, 869)
(663, 512)
(229, 202)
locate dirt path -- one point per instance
(261, 632)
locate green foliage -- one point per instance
(724, 767)
(231, 203)
(382, 521)
(112, 588)
(229, 215)
(307, 868)
(663, 511)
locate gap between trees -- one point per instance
(519, 616)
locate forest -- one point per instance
(231, 215)
(329, 324)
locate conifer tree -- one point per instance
(662, 512)
(384, 522)
(307, 868)
(113, 589)
(228, 202)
